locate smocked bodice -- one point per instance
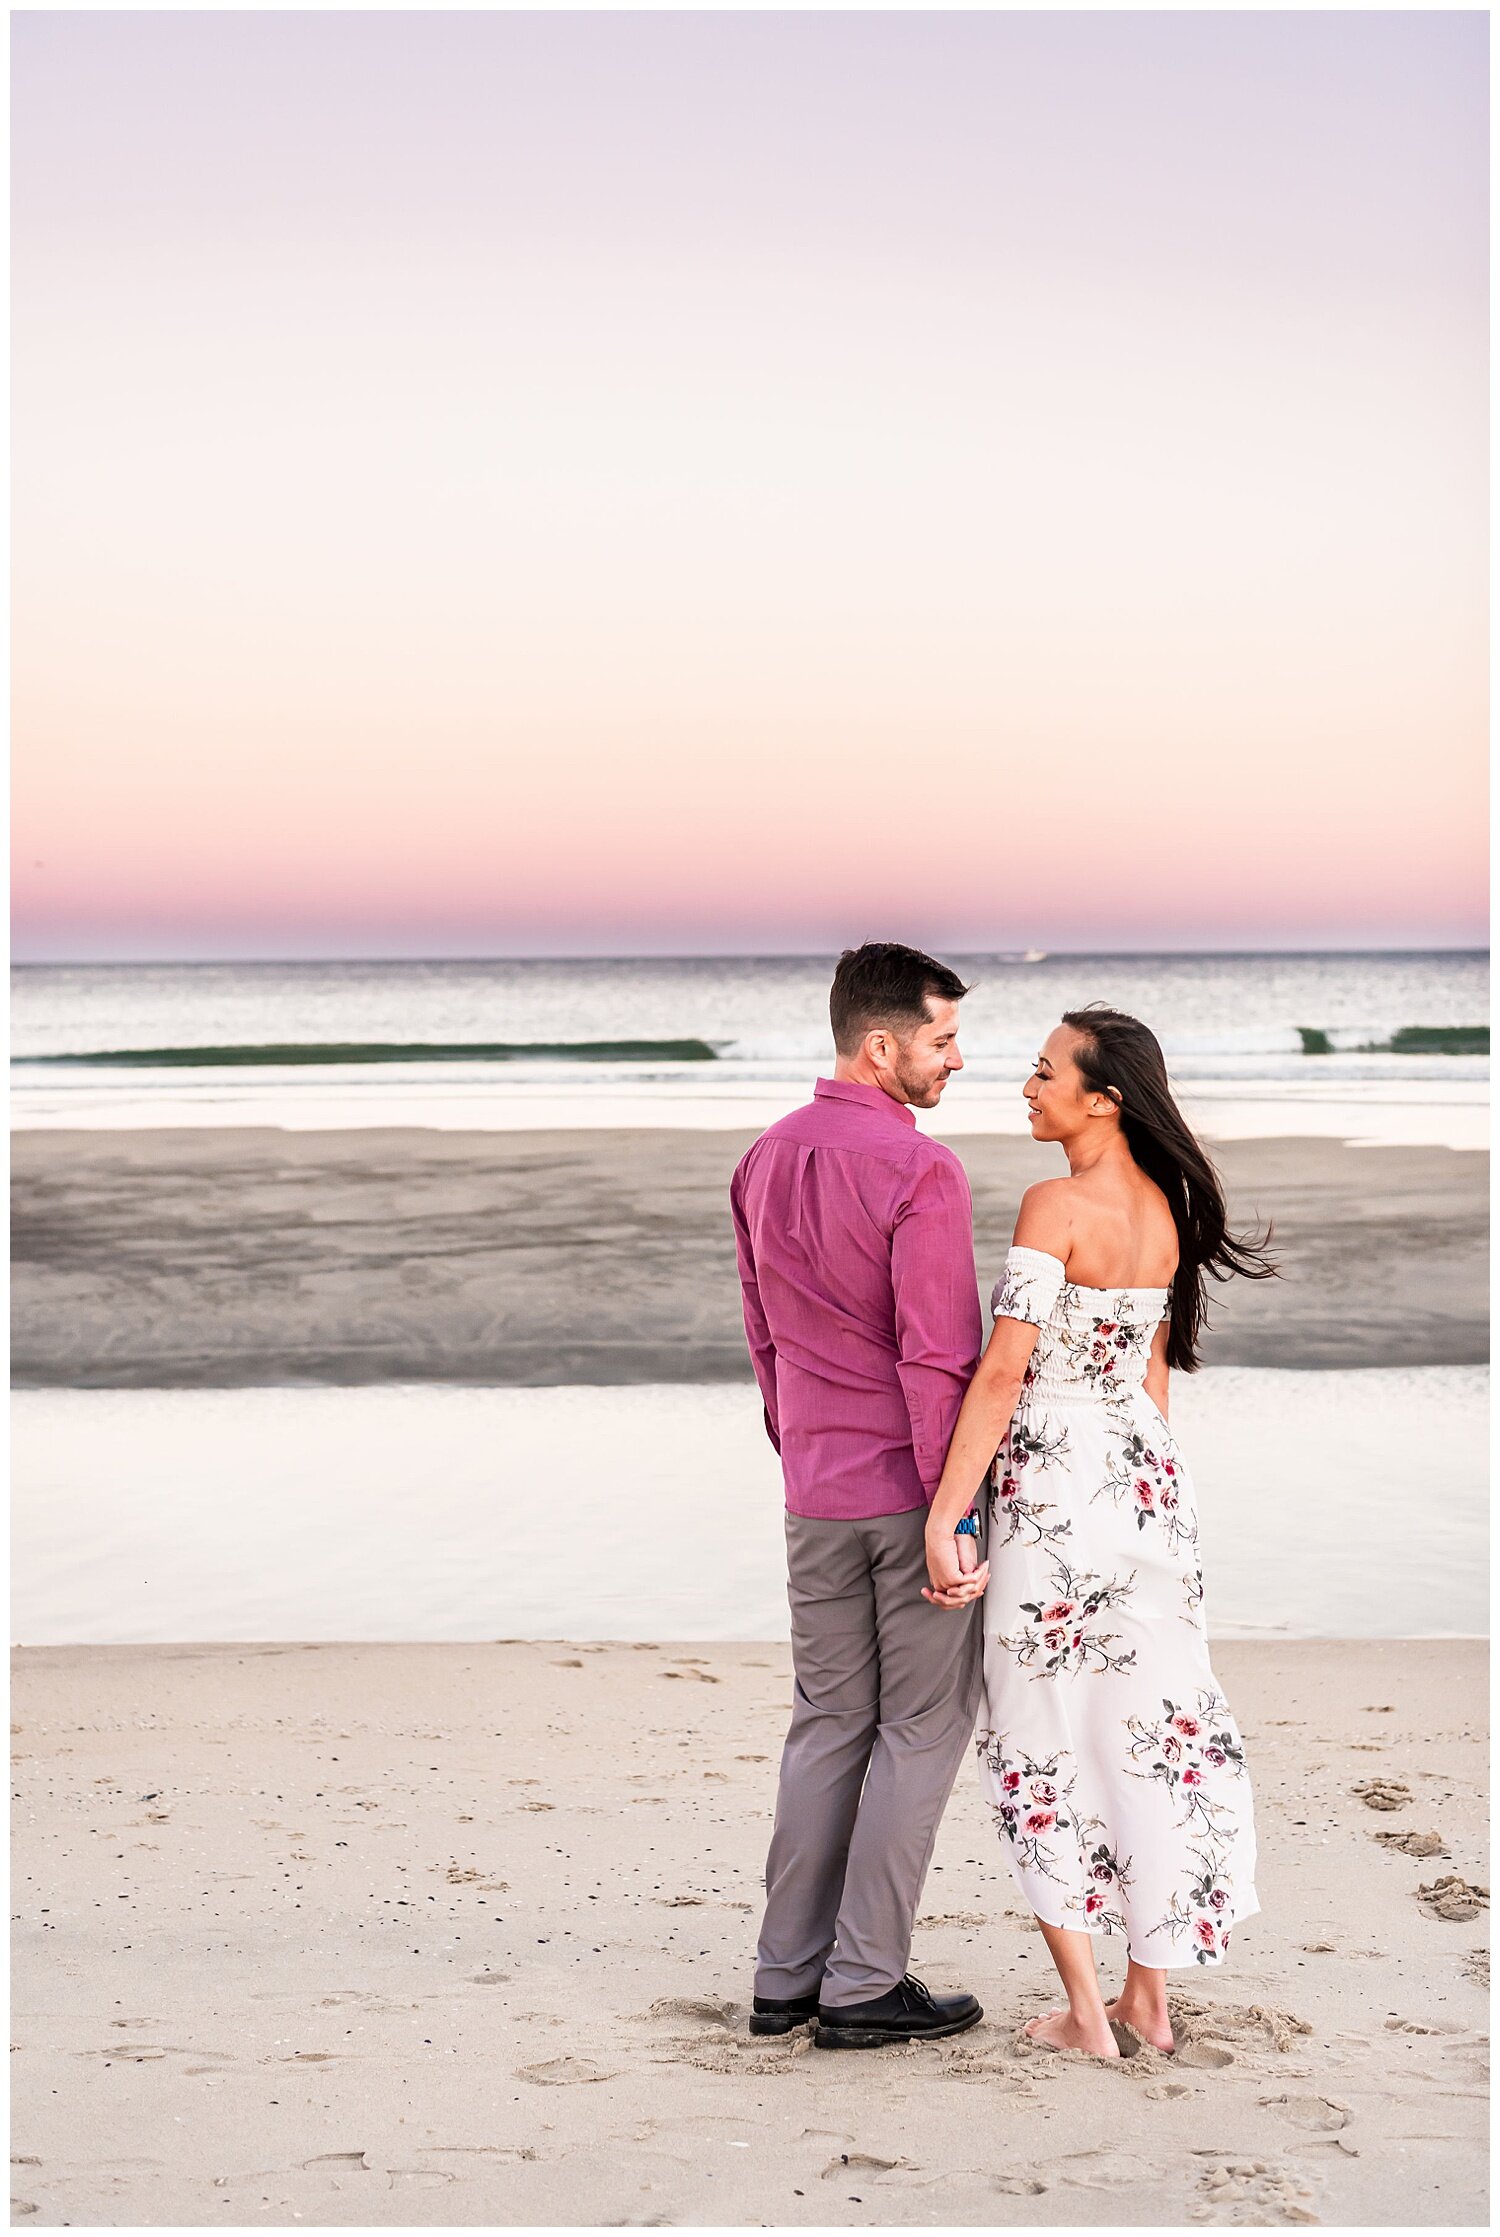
(1094, 1344)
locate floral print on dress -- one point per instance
(1029, 1287)
(1114, 1769)
(1202, 1914)
(1062, 1636)
(1145, 1481)
(1193, 1754)
(1105, 1352)
(1014, 1505)
(1032, 1805)
(1108, 1882)
(1013, 1514)
(1029, 1447)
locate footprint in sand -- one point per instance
(985, 2055)
(1103, 2169)
(1413, 1843)
(507, 2153)
(1319, 2116)
(1247, 2193)
(1220, 2034)
(1477, 1967)
(859, 2163)
(1453, 1897)
(735, 2054)
(1382, 1794)
(717, 2011)
(721, 2043)
(563, 2073)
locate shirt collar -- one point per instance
(872, 1098)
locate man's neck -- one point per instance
(862, 1073)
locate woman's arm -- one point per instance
(1157, 1370)
(982, 1422)
(1044, 1223)
(978, 1433)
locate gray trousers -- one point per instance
(887, 1692)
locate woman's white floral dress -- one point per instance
(1108, 1753)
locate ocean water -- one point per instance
(655, 1512)
(718, 1041)
(413, 1513)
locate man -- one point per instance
(856, 1259)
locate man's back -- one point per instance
(861, 1304)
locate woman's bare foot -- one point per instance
(1150, 2023)
(1062, 2031)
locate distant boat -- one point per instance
(1035, 955)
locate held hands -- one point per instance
(954, 1578)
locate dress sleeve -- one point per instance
(1029, 1287)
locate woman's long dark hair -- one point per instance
(1121, 1058)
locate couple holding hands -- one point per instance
(999, 1548)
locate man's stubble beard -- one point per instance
(923, 1094)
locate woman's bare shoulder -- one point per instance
(1045, 1220)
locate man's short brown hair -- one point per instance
(884, 983)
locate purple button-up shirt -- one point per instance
(856, 1252)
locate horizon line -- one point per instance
(717, 955)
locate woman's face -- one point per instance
(1061, 1101)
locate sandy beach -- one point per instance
(200, 1256)
(278, 1905)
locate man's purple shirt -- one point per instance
(856, 1251)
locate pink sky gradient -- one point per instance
(547, 484)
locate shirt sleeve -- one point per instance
(757, 1333)
(937, 1309)
(1029, 1287)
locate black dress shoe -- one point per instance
(905, 2014)
(782, 2015)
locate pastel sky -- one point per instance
(635, 483)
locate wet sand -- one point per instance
(200, 1257)
(446, 1936)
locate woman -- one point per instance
(1112, 1763)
